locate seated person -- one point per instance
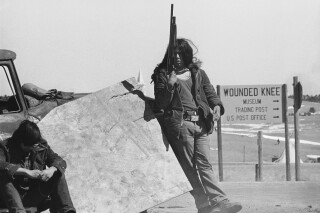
(32, 174)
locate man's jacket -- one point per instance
(170, 101)
(11, 158)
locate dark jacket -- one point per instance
(170, 101)
(11, 158)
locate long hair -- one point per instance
(28, 133)
(183, 47)
(187, 50)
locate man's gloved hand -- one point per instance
(160, 78)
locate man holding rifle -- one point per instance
(190, 106)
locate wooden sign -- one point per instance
(252, 104)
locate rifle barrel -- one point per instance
(172, 42)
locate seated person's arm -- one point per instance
(33, 174)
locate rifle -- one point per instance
(172, 42)
(170, 54)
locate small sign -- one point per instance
(298, 94)
(251, 104)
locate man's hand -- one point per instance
(33, 174)
(48, 173)
(216, 113)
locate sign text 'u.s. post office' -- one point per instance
(252, 104)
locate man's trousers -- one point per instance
(53, 194)
(192, 149)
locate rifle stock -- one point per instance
(172, 42)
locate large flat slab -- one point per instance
(117, 160)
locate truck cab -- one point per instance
(14, 104)
(13, 107)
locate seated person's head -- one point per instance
(27, 135)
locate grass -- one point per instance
(240, 154)
(236, 148)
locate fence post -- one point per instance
(260, 162)
(257, 172)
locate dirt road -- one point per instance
(257, 197)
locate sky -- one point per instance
(86, 45)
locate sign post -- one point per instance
(286, 130)
(297, 93)
(220, 161)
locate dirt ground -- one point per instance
(261, 197)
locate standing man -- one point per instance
(191, 106)
(32, 174)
